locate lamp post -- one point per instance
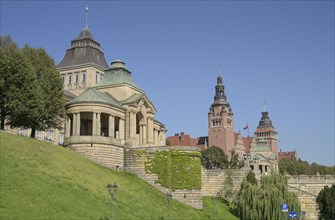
(112, 191)
(169, 197)
(214, 200)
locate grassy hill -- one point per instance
(39, 180)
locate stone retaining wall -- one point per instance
(106, 155)
(213, 180)
(307, 189)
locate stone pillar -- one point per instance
(156, 138)
(141, 133)
(68, 127)
(121, 129)
(144, 137)
(94, 124)
(78, 124)
(99, 124)
(111, 126)
(133, 126)
(150, 130)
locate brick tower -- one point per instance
(221, 120)
(266, 132)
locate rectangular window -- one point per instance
(97, 77)
(63, 79)
(84, 76)
(77, 77)
(70, 78)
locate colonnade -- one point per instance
(96, 125)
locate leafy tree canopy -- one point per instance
(33, 92)
(299, 167)
(326, 202)
(214, 157)
(264, 201)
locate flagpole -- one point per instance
(248, 128)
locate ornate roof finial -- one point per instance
(86, 16)
(264, 104)
(219, 70)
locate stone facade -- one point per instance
(307, 189)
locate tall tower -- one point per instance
(84, 63)
(266, 132)
(221, 120)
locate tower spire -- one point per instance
(219, 70)
(86, 16)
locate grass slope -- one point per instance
(42, 181)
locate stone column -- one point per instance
(150, 130)
(121, 129)
(156, 138)
(99, 124)
(78, 124)
(133, 126)
(144, 130)
(68, 127)
(74, 124)
(111, 126)
(141, 133)
(94, 124)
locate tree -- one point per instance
(49, 108)
(263, 201)
(251, 178)
(17, 82)
(326, 202)
(228, 190)
(214, 157)
(31, 88)
(234, 161)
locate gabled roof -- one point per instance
(135, 100)
(69, 95)
(91, 95)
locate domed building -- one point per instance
(106, 112)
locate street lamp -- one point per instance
(168, 197)
(112, 191)
(214, 200)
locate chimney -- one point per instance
(176, 134)
(181, 137)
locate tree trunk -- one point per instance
(2, 123)
(33, 131)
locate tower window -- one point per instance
(220, 92)
(70, 79)
(77, 77)
(84, 76)
(97, 77)
(63, 79)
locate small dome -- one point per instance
(118, 64)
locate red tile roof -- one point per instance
(182, 140)
(247, 142)
(287, 154)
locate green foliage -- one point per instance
(167, 142)
(176, 169)
(299, 167)
(17, 83)
(251, 178)
(42, 181)
(50, 107)
(228, 190)
(234, 162)
(326, 202)
(31, 88)
(264, 201)
(214, 157)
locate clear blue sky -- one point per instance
(278, 51)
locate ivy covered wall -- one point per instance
(176, 169)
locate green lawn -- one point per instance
(42, 181)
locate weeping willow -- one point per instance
(263, 201)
